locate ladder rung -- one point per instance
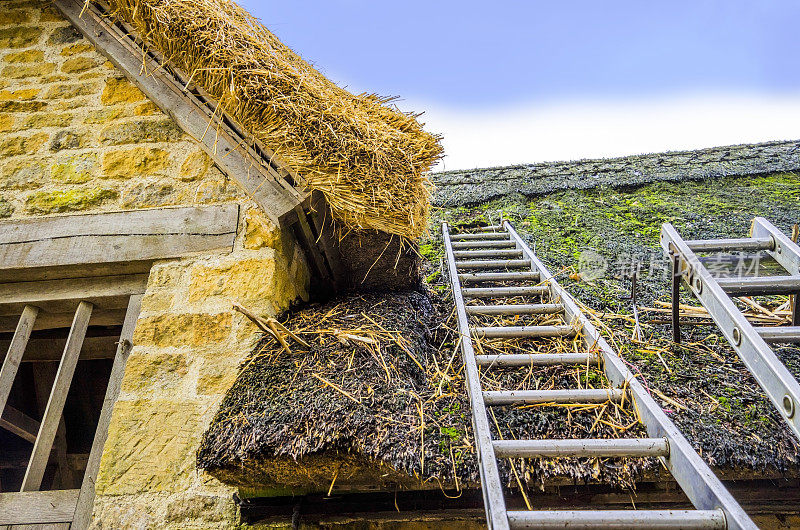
(483, 243)
(489, 253)
(491, 228)
(760, 286)
(572, 395)
(534, 359)
(723, 245)
(596, 519)
(520, 332)
(469, 237)
(602, 447)
(494, 264)
(498, 276)
(487, 292)
(789, 334)
(515, 309)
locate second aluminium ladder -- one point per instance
(497, 255)
(751, 343)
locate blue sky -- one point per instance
(527, 67)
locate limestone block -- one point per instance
(71, 90)
(147, 371)
(236, 278)
(21, 71)
(73, 49)
(79, 64)
(22, 106)
(18, 95)
(216, 189)
(27, 56)
(74, 170)
(179, 330)
(19, 36)
(137, 161)
(150, 447)
(217, 376)
(6, 122)
(137, 131)
(146, 109)
(104, 115)
(6, 208)
(259, 231)
(69, 139)
(194, 166)
(14, 17)
(22, 145)
(150, 195)
(120, 90)
(23, 174)
(47, 119)
(165, 276)
(75, 199)
(64, 35)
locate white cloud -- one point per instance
(571, 130)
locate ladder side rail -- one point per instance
(778, 383)
(785, 251)
(698, 482)
(491, 486)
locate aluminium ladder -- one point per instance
(495, 255)
(751, 343)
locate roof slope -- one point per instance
(462, 187)
(367, 157)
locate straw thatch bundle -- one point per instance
(366, 157)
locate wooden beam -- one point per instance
(15, 351)
(245, 161)
(112, 317)
(40, 507)
(19, 423)
(83, 512)
(43, 378)
(50, 349)
(62, 296)
(58, 396)
(117, 236)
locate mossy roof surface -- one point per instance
(725, 414)
(464, 187)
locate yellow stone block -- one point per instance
(28, 56)
(217, 376)
(148, 371)
(75, 199)
(47, 119)
(242, 279)
(137, 161)
(78, 64)
(20, 71)
(195, 166)
(6, 122)
(150, 447)
(22, 145)
(259, 231)
(19, 36)
(146, 109)
(73, 49)
(120, 90)
(14, 17)
(196, 329)
(18, 95)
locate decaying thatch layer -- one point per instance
(380, 397)
(366, 157)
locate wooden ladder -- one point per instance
(496, 255)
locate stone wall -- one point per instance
(75, 135)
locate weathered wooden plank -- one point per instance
(43, 378)
(58, 396)
(50, 349)
(117, 236)
(15, 351)
(38, 507)
(19, 423)
(83, 512)
(112, 317)
(231, 152)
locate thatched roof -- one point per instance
(462, 187)
(364, 155)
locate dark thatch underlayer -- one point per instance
(380, 383)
